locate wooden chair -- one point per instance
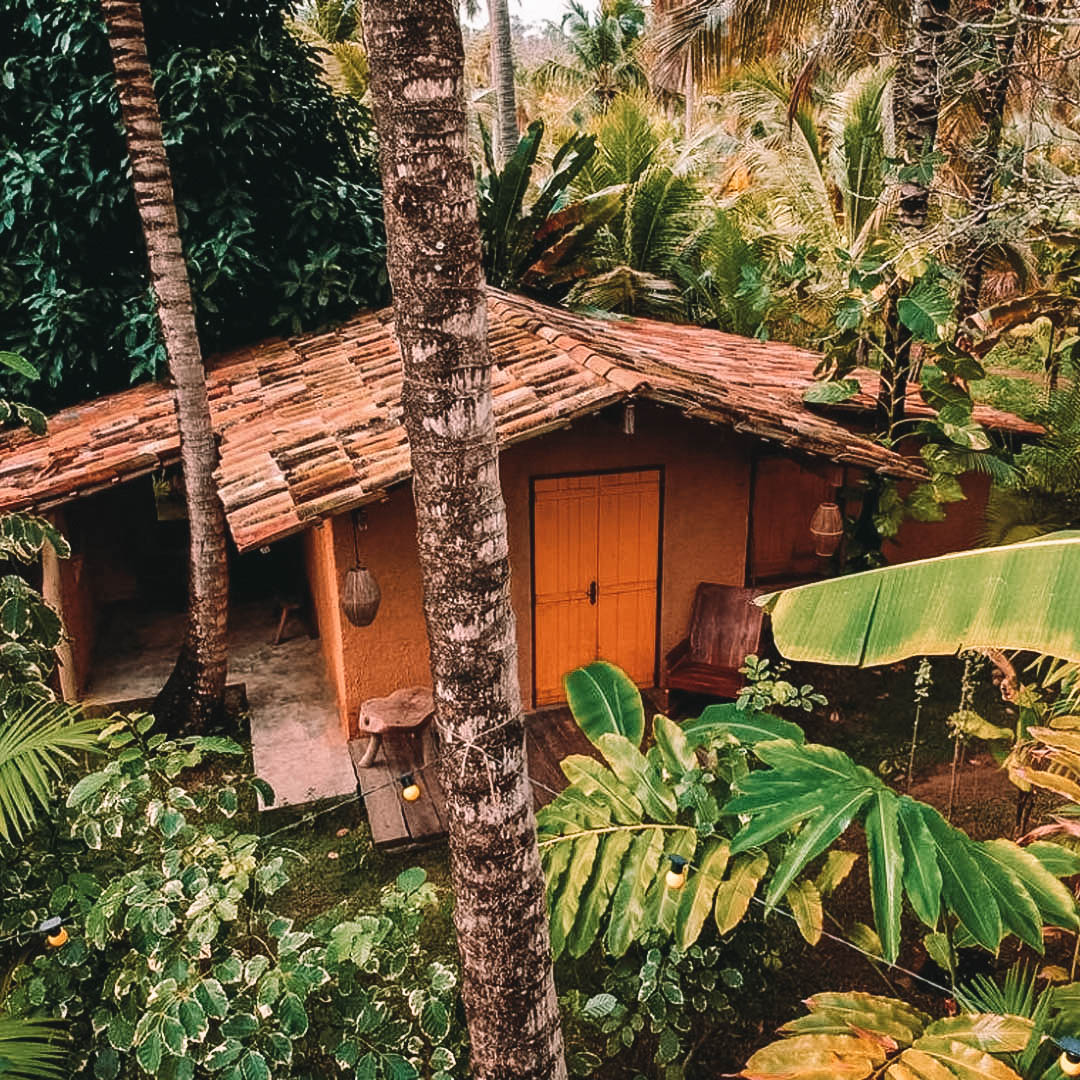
(725, 625)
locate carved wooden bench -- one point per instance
(406, 713)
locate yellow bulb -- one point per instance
(57, 939)
(411, 793)
(1069, 1064)
(675, 879)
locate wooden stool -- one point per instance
(287, 608)
(407, 711)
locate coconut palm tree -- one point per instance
(194, 693)
(633, 258)
(440, 318)
(502, 79)
(604, 60)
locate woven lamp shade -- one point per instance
(361, 596)
(827, 528)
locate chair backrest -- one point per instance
(725, 625)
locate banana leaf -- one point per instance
(1021, 596)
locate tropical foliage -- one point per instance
(37, 736)
(541, 244)
(274, 177)
(608, 840)
(177, 964)
(862, 1035)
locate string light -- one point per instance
(1069, 1062)
(410, 789)
(675, 878)
(52, 928)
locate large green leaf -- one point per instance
(735, 892)
(1020, 596)
(604, 700)
(596, 896)
(921, 875)
(640, 775)
(698, 893)
(628, 904)
(578, 873)
(743, 725)
(963, 887)
(1055, 902)
(675, 750)
(924, 309)
(886, 870)
(818, 833)
(592, 779)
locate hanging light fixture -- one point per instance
(361, 595)
(827, 529)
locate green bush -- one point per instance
(177, 964)
(275, 179)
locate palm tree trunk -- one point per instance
(502, 77)
(689, 97)
(917, 98)
(195, 691)
(991, 103)
(916, 107)
(417, 65)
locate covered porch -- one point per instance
(297, 743)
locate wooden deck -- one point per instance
(551, 735)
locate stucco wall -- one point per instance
(706, 478)
(962, 527)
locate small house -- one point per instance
(638, 459)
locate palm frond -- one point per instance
(33, 1050)
(719, 35)
(628, 140)
(629, 291)
(856, 125)
(34, 746)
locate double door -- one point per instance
(595, 563)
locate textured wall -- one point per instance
(962, 527)
(706, 488)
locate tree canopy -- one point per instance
(275, 180)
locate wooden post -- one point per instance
(52, 591)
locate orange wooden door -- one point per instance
(595, 542)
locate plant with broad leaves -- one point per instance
(177, 964)
(859, 1036)
(540, 246)
(606, 840)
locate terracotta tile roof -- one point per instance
(311, 426)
